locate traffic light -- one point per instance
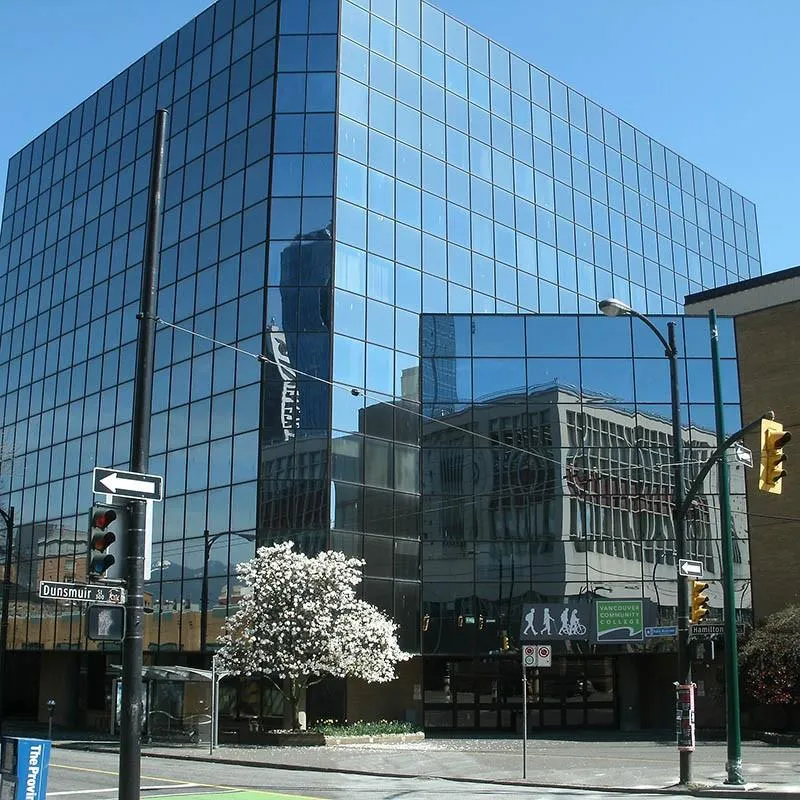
(105, 623)
(107, 528)
(773, 440)
(699, 601)
(504, 640)
(480, 621)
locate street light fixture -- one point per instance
(612, 307)
(208, 540)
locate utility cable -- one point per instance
(381, 397)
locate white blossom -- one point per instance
(301, 620)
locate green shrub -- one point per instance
(333, 728)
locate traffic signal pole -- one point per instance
(733, 765)
(132, 648)
(679, 521)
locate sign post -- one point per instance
(130, 768)
(525, 717)
(539, 655)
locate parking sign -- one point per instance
(540, 655)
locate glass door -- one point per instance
(573, 693)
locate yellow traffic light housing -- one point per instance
(773, 440)
(699, 601)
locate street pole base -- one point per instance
(685, 765)
(734, 770)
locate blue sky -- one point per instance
(716, 81)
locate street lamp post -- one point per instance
(613, 308)
(208, 541)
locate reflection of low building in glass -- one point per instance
(294, 491)
(586, 483)
(63, 557)
(542, 485)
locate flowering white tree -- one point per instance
(302, 621)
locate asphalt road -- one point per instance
(75, 775)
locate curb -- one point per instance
(691, 790)
(780, 739)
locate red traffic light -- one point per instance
(106, 526)
(103, 518)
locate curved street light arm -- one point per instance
(669, 351)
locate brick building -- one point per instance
(766, 311)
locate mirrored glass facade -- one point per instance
(337, 170)
(547, 470)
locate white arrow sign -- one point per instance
(115, 484)
(691, 569)
(127, 484)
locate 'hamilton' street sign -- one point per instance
(134, 485)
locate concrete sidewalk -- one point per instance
(581, 763)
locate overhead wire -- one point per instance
(381, 397)
(469, 499)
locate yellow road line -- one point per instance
(183, 783)
(116, 772)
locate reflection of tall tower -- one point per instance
(439, 373)
(281, 391)
(305, 289)
(294, 486)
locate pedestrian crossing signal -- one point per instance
(105, 623)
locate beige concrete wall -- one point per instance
(768, 348)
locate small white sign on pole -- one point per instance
(544, 655)
(528, 655)
(540, 655)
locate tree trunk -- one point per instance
(294, 700)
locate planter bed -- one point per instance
(313, 739)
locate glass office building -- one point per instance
(336, 169)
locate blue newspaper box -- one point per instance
(23, 768)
